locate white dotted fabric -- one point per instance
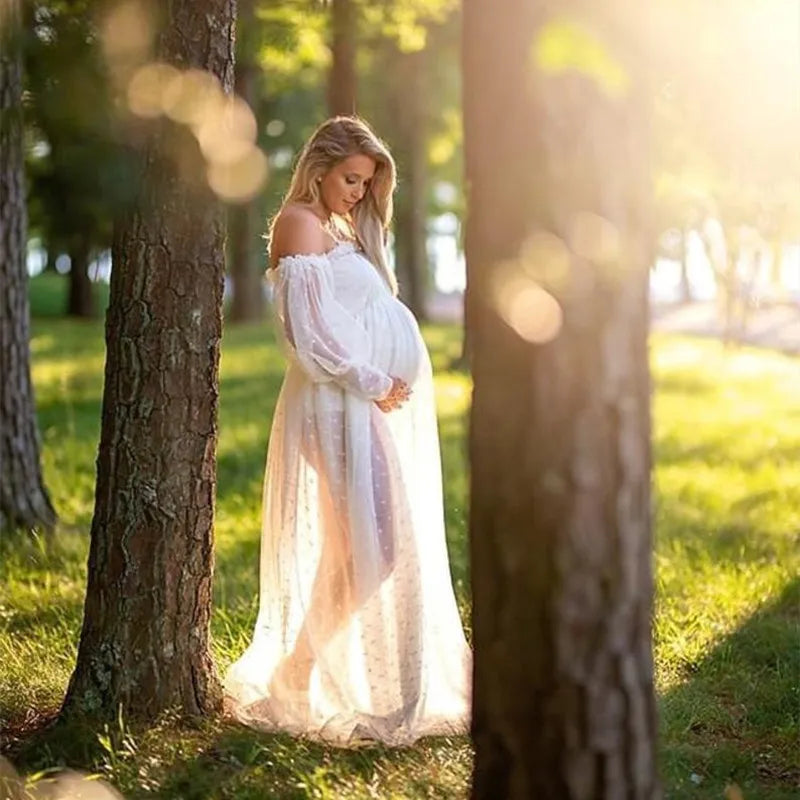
(358, 635)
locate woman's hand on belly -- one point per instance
(398, 394)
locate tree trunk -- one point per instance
(50, 257)
(686, 286)
(557, 232)
(80, 302)
(776, 268)
(144, 645)
(244, 229)
(342, 84)
(247, 302)
(24, 502)
(411, 256)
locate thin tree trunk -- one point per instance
(776, 268)
(411, 254)
(563, 705)
(244, 232)
(686, 286)
(24, 502)
(342, 84)
(144, 645)
(80, 302)
(50, 257)
(247, 302)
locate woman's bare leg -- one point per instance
(332, 600)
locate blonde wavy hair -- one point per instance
(333, 141)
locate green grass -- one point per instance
(49, 295)
(727, 512)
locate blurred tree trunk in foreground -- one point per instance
(244, 225)
(557, 170)
(144, 645)
(342, 82)
(24, 502)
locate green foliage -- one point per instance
(293, 49)
(77, 172)
(405, 22)
(564, 45)
(290, 44)
(727, 438)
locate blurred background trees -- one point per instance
(396, 63)
(723, 78)
(24, 501)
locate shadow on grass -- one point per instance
(727, 539)
(736, 716)
(733, 719)
(250, 764)
(216, 757)
(64, 614)
(672, 450)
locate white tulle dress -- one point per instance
(358, 635)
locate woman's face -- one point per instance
(345, 184)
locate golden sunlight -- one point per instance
(66, 785)
(240, 180)
(595, 238)
(192, 97)
(147, 87)
(127, 35)
(228, 134)
(531, 311)
(545, 258)
(225, 127)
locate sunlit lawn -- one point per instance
(727, 510)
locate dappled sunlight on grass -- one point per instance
(727, 512)
(453, 394)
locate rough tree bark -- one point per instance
(559, 435)
(342, 83)
(24, 502)
(145, 640)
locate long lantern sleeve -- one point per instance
(327, 342)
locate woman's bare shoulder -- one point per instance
(297, 231)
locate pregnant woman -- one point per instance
(358, 635)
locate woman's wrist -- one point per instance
(388, 391)
(397, 395)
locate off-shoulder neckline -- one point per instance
(341, 247)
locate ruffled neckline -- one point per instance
(338, 250)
